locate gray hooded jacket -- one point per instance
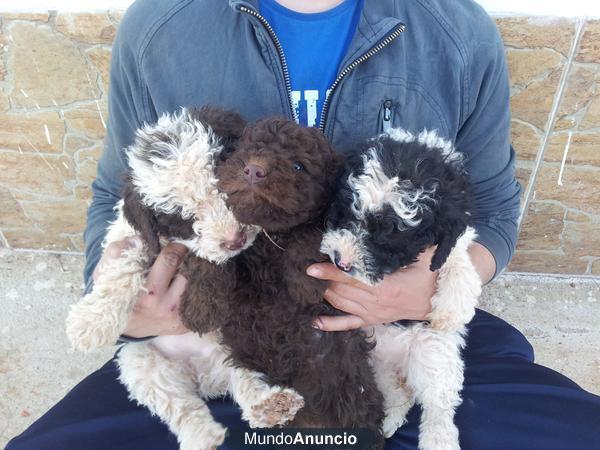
(415, 64)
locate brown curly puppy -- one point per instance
(281, 177)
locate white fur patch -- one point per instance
(182, 174)
(119, 229)
(373, 189)
(429, 138)
(423, 363)
(351, 249)
(216, 227)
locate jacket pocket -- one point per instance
(394, 102)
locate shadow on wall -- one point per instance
(53, 85)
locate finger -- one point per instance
(351, 291)
(164, 306)
(175, 291)
(165, 267)
(343, 303)
(114, 250)
(328, 271)
(339, 323)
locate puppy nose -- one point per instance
(254, 174)
(236, 242)
(342, 265)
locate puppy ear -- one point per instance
(336, 160)
(445, 244)
(337, 163)
(141, 217)
(453, 204)
(228, 125)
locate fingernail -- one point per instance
(317, 324)
(133, 242)
(314, 272)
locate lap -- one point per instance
(508, 402)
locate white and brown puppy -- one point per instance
(171, 194)
(401, 194)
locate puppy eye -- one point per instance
(298, 166)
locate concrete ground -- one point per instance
(560, 316)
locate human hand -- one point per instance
(405, 294)
(156, 311)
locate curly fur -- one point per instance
(171, 194)
(171, 189)
(399, 195)
(263, 301)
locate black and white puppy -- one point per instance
(401, 194)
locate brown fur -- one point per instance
(264, 302)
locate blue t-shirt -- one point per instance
(313, 45)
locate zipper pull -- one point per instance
(387, 115)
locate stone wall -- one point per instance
(555, 75)
(53, 86)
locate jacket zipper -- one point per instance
(387, 115)
(286, 74)
(361, 59)
(277, 43)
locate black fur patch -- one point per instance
(444, 215)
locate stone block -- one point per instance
(78, 242)
(584, 149)
(542, 227)
(525, 140)
(47, 68)
(583, 85)
(534, 103)
(4, 102)
(527, 65)
(35, 238)
(577, 216)
(591, 119)
(581, 239)
(91, 28)
(596, 267)
(528, 32)
(45, 175)
(12, 213)
(546, 262)
(58, 217)
(580, 187)
(100, 59)
(86, 161)
(29, 16)
(87, 120)
(589, 47)
(75, 143)
(32, 132)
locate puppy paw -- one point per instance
(277, 407)
(201, 436)
(439, 438)
(394, 418)
(87, 330)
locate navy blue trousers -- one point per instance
(509, 402)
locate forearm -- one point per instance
(484, 262)
(126, 115)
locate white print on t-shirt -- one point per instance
(311, 98)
